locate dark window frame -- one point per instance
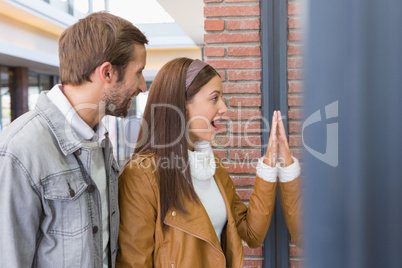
(274, 90)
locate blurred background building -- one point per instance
(29, 32)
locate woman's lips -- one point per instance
(214, 126)
(213, 123)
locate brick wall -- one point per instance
(232, 46)
(295, 99)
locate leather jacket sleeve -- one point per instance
(138, 213)
(291, 201)
(253, 222)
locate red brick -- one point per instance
(243, 181)
(252, 263)
(222, 74)
(295, 50)
(243, 114)
(295, 251)
(221, 153)
(295, 74)
(244, 75)
(252, 24)
(235, 64)
(294, 9)
(298, 153)
(295, 141)
(221, 128)
(245, 127)
(295, 127)
(214, 25)
(295, 101)
(237, 141)
(240, 168)
(294, 23)
(241, 101)
(295, 114)
(244, 51)
(296, 264)
(222, 11)
(295, 62)
(252, 251)
(295, 36)
(245, 154)
(214, 51)
(242, 87)
(295, 87)
(231, 38)
(244, 194)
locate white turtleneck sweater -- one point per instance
(202, 166)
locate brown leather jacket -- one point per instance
(190, 239)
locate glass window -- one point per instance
(59, 4)
(33, 90)
(81, 8)
(45, 82)
(78, 8)
(5, 98)
(98, 5)
(127, 128)
(37, 83)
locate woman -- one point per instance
(178, 206)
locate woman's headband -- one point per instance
(192, 71)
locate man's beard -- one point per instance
(116, 105)
(118, 110)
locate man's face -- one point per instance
(118, 98)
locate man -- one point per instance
(58, 177)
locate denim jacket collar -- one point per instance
(65, 135)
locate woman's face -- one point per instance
(204, 110)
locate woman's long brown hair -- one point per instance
(163, 131)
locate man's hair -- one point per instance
(100, 37)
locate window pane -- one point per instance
(33, 90)
(98, 5)
(81, 8)
(59, 4)
(5, 100)
(45, 82)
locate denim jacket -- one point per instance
(50, 206)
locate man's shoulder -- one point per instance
(27, 131)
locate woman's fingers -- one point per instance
(272, 149)
(285, 158)
(281, 127)
(273, 140)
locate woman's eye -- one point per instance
(214, 98)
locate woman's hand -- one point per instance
(278, 147)
(272, 149)
(284, 158)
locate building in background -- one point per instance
(29, 32)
